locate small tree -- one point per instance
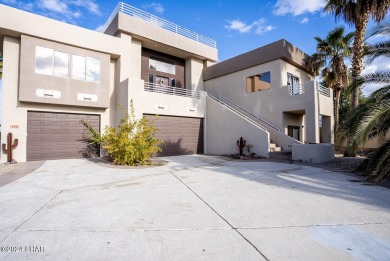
(132, 143)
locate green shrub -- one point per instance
(132, 143)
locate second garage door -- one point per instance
(181, 135)
(53, 135)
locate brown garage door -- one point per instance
(53, 135)
(181, 135)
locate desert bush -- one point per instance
(132, 143)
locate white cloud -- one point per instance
(157, 7)
(304, 20)
(297, 7)
(91, 6)
(258, 27)
(54, 5)
(66, 11)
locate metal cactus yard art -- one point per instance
(241, 145)
(9, 147)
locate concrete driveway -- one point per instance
(194, 208)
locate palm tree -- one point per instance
(372, 118)
(329, 62)
(357, 13)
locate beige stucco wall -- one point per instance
(193, 74)
(270, 104)
(14, 113)
(17, 22)
(69, 88)
(162, 104)
(149, 32)
(224, 128)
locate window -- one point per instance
(173, 82)
(85, 68)
(259, 82)
(162, 65)
(61, 64)
(78, 67)
(50, 62)
(150, 78)
(93, 69)
(292, 79)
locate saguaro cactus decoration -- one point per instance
(9, 147)
(241, 144)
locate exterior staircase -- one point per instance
(273, 148)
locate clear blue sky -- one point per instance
(237, 26)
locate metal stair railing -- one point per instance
(250, 113)
(238, 113)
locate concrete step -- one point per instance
(273, 147)
(284, 155)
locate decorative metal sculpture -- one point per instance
(241, 145)
(9, 147)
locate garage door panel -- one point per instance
(181, 135)
(57, 135)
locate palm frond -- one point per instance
(376, 50)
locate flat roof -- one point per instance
(281, 49)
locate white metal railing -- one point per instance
(296, 89)
(323, 90)
(132, 11)
(152, 87)
(238, 112)
(224, 100)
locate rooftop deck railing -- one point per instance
(152, 87)
(132, 11)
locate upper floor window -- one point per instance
(292, 79)
(85, 68)
(55, 63)
(51, 62)
(258, 82)
(162, 65)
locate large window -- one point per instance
(85, 68)
(51, 62)
(162, 65)
(55, 63)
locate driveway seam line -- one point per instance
(227, 222)
(44, 205)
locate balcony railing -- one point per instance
(323, 90)
(152, 87)
(296, 89)
(132, 11)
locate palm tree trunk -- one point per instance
(357, 57)
(357, 67)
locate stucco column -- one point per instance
(312, 116)
(14, 118)
(193, 74)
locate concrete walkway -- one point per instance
(194, 208)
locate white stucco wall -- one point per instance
(224, 128)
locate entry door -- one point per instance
(294, 132)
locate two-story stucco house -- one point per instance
(56, 74)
